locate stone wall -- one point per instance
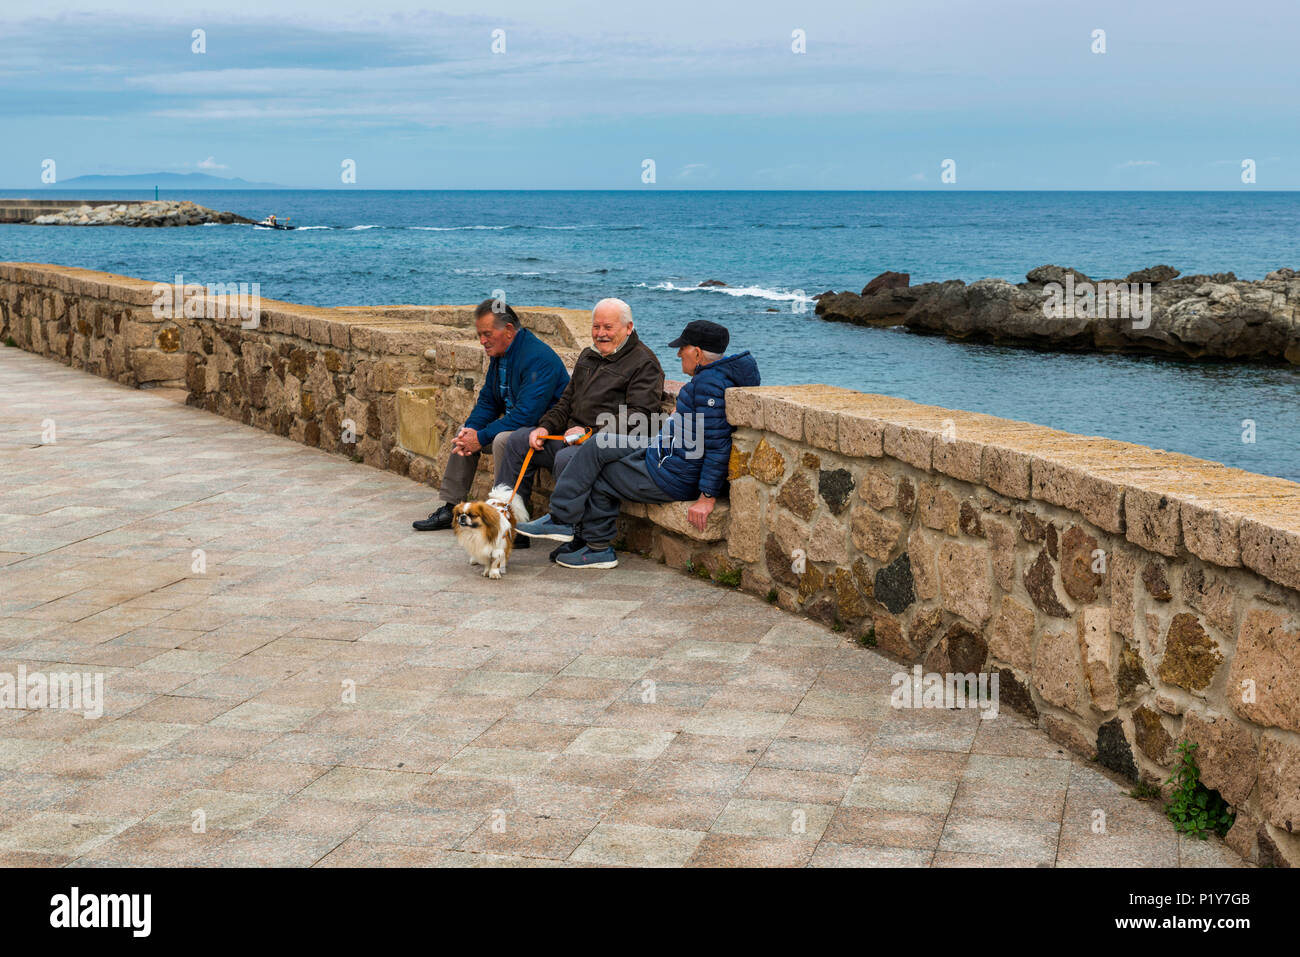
(326, 377)
(1127, 598)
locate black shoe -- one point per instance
(436, 522)
(573, 546)
(523, 541)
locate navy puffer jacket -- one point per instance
(675, 460)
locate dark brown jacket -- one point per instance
(631, 377)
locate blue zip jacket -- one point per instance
(674, 459)
(535, 377)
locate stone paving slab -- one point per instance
(292, 676)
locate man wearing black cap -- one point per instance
(687, 460)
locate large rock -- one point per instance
(1225, 753)
(1279, 783)
(887, 280)
(1264, 669)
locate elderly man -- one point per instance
(617, 379)
(525, 378)
(687, 459)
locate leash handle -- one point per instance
(566, 439)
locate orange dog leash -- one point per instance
(567, 440)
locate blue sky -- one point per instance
(711, 91)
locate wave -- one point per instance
(365, 227)
(321, 227)
(756, 292)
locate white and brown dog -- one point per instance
(486, 530)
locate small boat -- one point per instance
(270, 223)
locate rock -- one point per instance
(1040, 582)
(1150, 736)
(1153, 274)
(1014, 694)
(1068, 734)
(893, 585)
(1113, 751)
(160, 213)
(1156, 580)
(1201, 317)
(1131, 676)
(1011, 637)
(797, 495)
(766, 464)
(1080, 581)
(1057, 675)
(1279, 783)
(710, 283)
(1191, 657)
(1095, 646)
(887, 280)
(876, 535)
(849, 604)
(1046, 274)
(1225, 753)
(964, 580)
(835, 486)
(1264, 666)
(967, 650)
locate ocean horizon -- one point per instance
(775, 250)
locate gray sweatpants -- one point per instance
(602, 476)
(459, 474)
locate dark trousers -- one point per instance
(607, 471)
(459, 474)
(553, 455)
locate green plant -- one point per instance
(837, 625)
(9, 341)
(771, 596)
(731, 577)
(1145, 791)
(868, 637)
(1193, 808)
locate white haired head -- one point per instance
(611, 324)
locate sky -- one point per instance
(581, 93)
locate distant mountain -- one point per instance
(164, 180)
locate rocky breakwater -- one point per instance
(161, 213)
(1153, 311)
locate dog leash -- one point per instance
(566, 439)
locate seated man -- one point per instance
(689, 457)
(617, 379)
(525, 378)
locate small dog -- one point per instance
(486, 530)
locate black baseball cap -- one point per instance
(706, 335)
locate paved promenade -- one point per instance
(294, 677)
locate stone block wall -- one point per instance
(1127, 598)
(328, 378)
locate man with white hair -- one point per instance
(618, 377)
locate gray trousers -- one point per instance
(553, 455)
(596, 482)
(459, 474)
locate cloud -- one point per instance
(211, 163)
(916, 178)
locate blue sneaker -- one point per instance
(588, 557)
(546, 527)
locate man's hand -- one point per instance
(466, 442)
(576, 430)
(698, 515)
(537, 438)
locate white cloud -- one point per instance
(211, 163)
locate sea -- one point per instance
(775, 251)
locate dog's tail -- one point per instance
(518, 510)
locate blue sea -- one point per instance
(775, 250)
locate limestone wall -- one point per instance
(1126, 597)
(326, 377)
